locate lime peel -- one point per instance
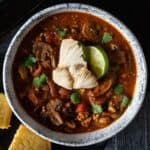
(98, 61)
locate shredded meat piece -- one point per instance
(95, 117)
(104, 121)
(90, 31)
(115, 115)
(64, 93)
(23, 72)
(37, 71)
(111, 107)
(50, 111)
(75, 30)
(45, 92)
(45, 36)
(109, 94)
(82, 116)
(46, 64)
(101, 120)
(67, 110)
(70, 124)
(32, 97)
(115, 101)
(97, 100)
(90, 93)
(74, 33)
(103, 87)
(53, 89)
(86, 122)
(44, 52)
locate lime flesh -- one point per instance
(98, 61)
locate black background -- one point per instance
(135, 14)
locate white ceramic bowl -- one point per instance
(83, 139)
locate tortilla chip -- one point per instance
(5, 112)
(24, 139)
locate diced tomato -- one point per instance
(82, 107)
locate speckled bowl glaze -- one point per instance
(83, 139)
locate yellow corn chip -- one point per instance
(5, 112)
(24, 139)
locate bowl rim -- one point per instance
(80, 139)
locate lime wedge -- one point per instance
(98, 61)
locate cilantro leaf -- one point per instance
(125, 101)
(118, 89)
(29, 60)
(96, 108)
(61, 32)
(107, 37)
(38, 81)
(75, 98)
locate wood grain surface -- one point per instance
(136, 136)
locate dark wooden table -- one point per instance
(136, 16)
